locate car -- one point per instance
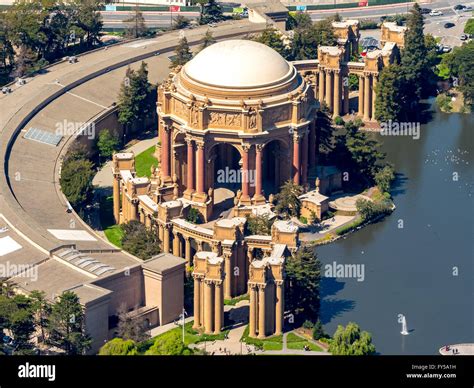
(449, 25)
(447, 49)
(425, 11)
(212, 25)
(383, 18)
(435, 13)
(463, 37)
(6, 90)
(467, 8)
(459, 7)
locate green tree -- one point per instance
(303, 277)
(119, 347)
(88, 21)
(66, 325)
(460, 64)
(259, 224)
(318, 331)
(107, 143)
(140, 241)
(288, 203)
(271, 37)
(136, 26)
(211, 12)
(308, 36)
(131, 328)
(414, 62)
(384, 178)
(390, 90)
(180, 22)
(207, 41)
(170, 344)
(364, 151)
(183, 53)
(41, 309)
(135, 97)
(369, 210)
(350, 341)
(194, 216)
(19, 320)
(76, 180)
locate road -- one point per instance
(152, 19)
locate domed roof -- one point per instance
(238, 64)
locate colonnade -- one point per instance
(208, 304)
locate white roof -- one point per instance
(313, 196)
(238, 64)
(286, 226)
(148, 202)
(126, 175)
(125, 155)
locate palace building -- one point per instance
(234, 124)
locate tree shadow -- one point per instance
(237, 317)
(399, 184)
(332, 308)
(330, 286)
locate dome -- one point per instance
(238, 64)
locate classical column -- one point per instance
(160, 231)
(124, 206)
(321, 85)
(367, 98)
(165, 151)
(197, 303)
(261, 311)
(304, 159)
(258, 197)
(218, 307)
(312, 144)
(133, 210)
(296, 158)
(337, 93)
(199, 246)
(361, 95)
(208, 307)
(190, 167)
(245, 198)
(329, 89)
(374, 95)
(176, 245)
(116, 193)
(249, 255)
(279, 308)
(252, 312)
(187, 253)
(200, 168)
(228, 276)
(345, 108)
(166, 239)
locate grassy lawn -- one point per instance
(296, 342)
(113, 232)
(191, 336)
(234, 301)
(270, 343)
(144, 161)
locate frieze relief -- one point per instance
(226, 120)
(277, 115)
(180, 108)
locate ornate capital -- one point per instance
(246, 147)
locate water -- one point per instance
(412, 270)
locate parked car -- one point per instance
(459, 7)
(212, 25)
(467, 8)
(447, 49)
(425, 11)
(463, 37)
(6, 90)
(449, 25)
(435, 13)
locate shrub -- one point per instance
(194, 216)
(118, 347)
(308, 324)
(339, 120)
(318, 331)
(303, 220)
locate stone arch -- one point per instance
(276, 164)
(224, 159)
